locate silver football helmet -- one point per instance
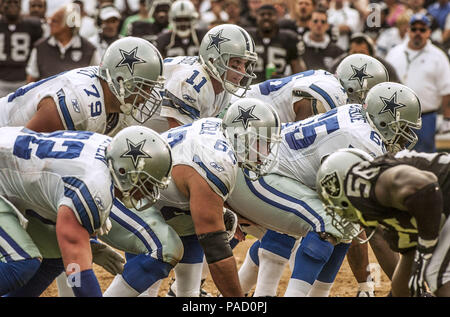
(393, 110)
(330, 186)
(253, 128)
(133, 69)
(222, 43)
(358, 73)
(182, 17)
(140, 162)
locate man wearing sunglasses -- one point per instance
(424, 68)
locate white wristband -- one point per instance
(427, 243)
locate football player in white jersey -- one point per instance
(206, 157)
(67, 180)
(201, 86)
(297, 97)
(285, 201)
(127, 81)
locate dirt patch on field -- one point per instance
(345, 284)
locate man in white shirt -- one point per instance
(424, 68)
(346, 19)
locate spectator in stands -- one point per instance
(274, 45)
(249, 17)
(396, 9)
(109, 18)
(346, 19)
(300, 13)
(440, 10)
(233, 9)
(393, 36)
(319, 50)
(216, 14)
(424, 68)
(361, 43)
(88, 27)
(142, 15)
(64, 49)
(149, 29)
(18, 34)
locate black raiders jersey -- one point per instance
(279, 50)
(180, 46)
(401, 226)
(16, 43)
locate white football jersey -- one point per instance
(281, 92)
(189, 91)
(307, 142)
(39, 172)
(77, 94)
(202, 146)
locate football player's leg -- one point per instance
(19, 257)
(155, 245)
(248, 272)
(358, 260)
(312, 255)
(387, 258)
(45, 275)
(274, 253)
(188, 272)
(400, 278)
(437, 273)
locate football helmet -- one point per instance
(393, 110)
(140, 162)
(325, 93)
(222, 43)
(330, 186)
(358, 73)
(133, 69)
(182, 17)
(253, 128)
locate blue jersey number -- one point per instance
(191, 79)
(23, 146)
(222, 146)
(329, 120)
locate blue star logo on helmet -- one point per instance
(245, 116)
(216, 40)
(391, 105)
(129, 59)
(360, 74)
(135, 152)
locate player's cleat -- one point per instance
(365, 294)
(172, 290)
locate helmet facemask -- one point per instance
(145, 97)
(256, 148)
(137, 181)
(398, 134)
(220, 68)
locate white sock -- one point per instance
(120, 288)
(297, 288)
(152, 291)
(293, 253)
(187, 279)
(366, 287)
(64, 290)
(248, 274)
(320, 289)
(271, 268)
(205, 269)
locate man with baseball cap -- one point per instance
(425, 68)
(109, 18)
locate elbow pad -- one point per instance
(215, 245)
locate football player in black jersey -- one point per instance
(17, 36)
(274, 45)
(184, 38)
(408, 195)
